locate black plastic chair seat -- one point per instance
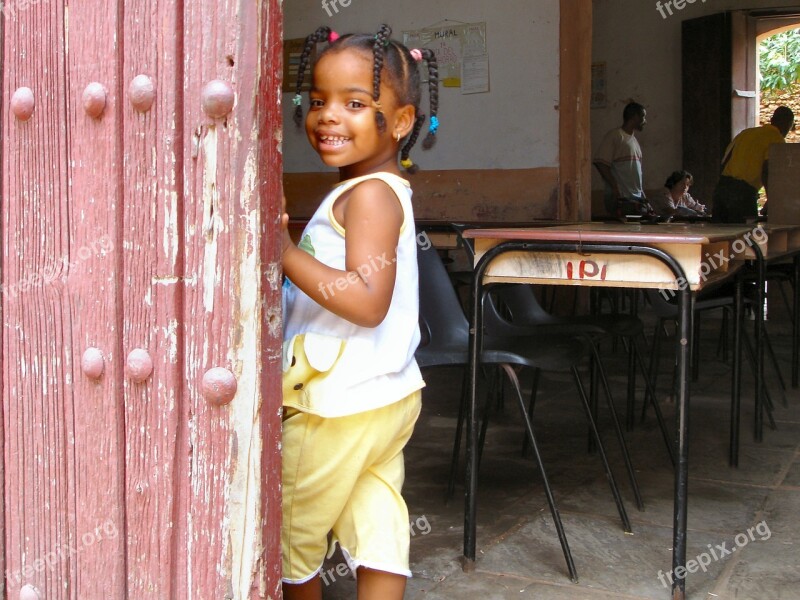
(439, 357)
(549, 353)
(720, 297)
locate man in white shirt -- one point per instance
(619, 162)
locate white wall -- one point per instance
(513, 126)
(642, 52)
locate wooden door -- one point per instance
(140, 299)
(707, 90)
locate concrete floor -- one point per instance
(518, 551)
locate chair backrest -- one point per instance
(664, 303)
(523, 306)
(517, 300)
(442, 320)
(464, 243)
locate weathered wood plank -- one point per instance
(96, 423)
(227, 213)
(214, 226)
(36, 330)
(269, 67)
(151, 297)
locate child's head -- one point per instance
(391, 89)
(679, 181)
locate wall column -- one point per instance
(575, 184)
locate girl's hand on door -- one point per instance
(287, 240)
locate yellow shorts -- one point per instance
(344, 475)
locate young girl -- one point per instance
(351, 387)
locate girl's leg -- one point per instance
(310, 590)
(379, 585)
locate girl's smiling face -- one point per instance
(341, 124)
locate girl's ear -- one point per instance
(403, 121)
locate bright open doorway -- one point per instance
(779, 73)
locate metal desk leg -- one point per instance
(736, 382)
(471, 494)
(796, 322)
(682, 446)
(759, 343)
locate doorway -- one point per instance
(778, 71)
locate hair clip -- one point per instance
(297, 100)
(434, 126)
(406, 163)
(333, 36)
(416, 54)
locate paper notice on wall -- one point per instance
(461, 54)
(599, 95)
(475, 74)
(475, 64)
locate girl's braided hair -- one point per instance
(393, 60)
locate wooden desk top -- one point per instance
(663, 233)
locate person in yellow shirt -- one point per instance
(746, 169)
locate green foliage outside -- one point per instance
(779, 61)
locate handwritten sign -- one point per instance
(586, 269)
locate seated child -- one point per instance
(676, 201)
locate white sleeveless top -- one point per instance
(355, 368)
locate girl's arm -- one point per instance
(690, 202)
(362, 292)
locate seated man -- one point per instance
(746, 169)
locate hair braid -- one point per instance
(412, 139)
(433, 93)
(319, 35)
(378, 47)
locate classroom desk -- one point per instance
(670, 257)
